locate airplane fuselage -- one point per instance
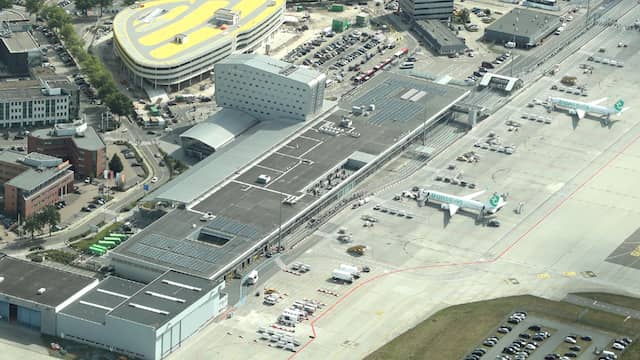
(455, 200)
(578, 105)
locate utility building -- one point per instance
(268, 88)
(527, 28)
(439, 37)
(427, 9)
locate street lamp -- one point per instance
(515, 30)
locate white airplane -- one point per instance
(580, 109)
(453, 203)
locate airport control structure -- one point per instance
(167, 44)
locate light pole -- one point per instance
(280, 227)
(515, 29)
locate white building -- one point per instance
(268, 88)
(427, 9)
(32, 102)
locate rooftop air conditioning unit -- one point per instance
(181, 39)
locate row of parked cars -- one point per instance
(486, 66)
(97, 202)
(334, 49)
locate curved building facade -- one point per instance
(168, 43)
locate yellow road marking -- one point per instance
(569, 273)
(636, 252)
(544, 276)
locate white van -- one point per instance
(510, 45)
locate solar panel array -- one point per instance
(184, 253)
(389, 108)
(233, 227)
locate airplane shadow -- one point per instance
(575, 121)
(446, 218)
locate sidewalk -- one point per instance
(596, 305)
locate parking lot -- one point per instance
(535, 337)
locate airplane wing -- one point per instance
(596, 102)
(580, 113)
(453, 209)
(471, 196)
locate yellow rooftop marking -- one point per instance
(268, 11)
(195, 38)
(196, 17)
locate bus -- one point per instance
(97, 249)
(106, 243)
(122, 237)
(403, 51)
(112, 238)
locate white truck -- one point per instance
(351, 270)
(252, 278)
(342, 276)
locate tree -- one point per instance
(465, 16)
(32, 224)
(33, 6)
(50, 216)
(6, 4)
(119, 104)
(115, 164)
(104, 4)
(84, 5)
(56, 16)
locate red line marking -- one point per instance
(503, 253)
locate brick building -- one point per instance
(33, 182)
(77, 143)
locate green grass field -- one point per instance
(452, 332)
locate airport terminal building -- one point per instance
(225, 219)
(166, 45)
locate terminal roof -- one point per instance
(161, 300)
(220, 128)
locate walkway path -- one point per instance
(597, 305)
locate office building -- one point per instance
(268, 88)
(38, 102)
(33, 182)
(75, 142)
(427, 9)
